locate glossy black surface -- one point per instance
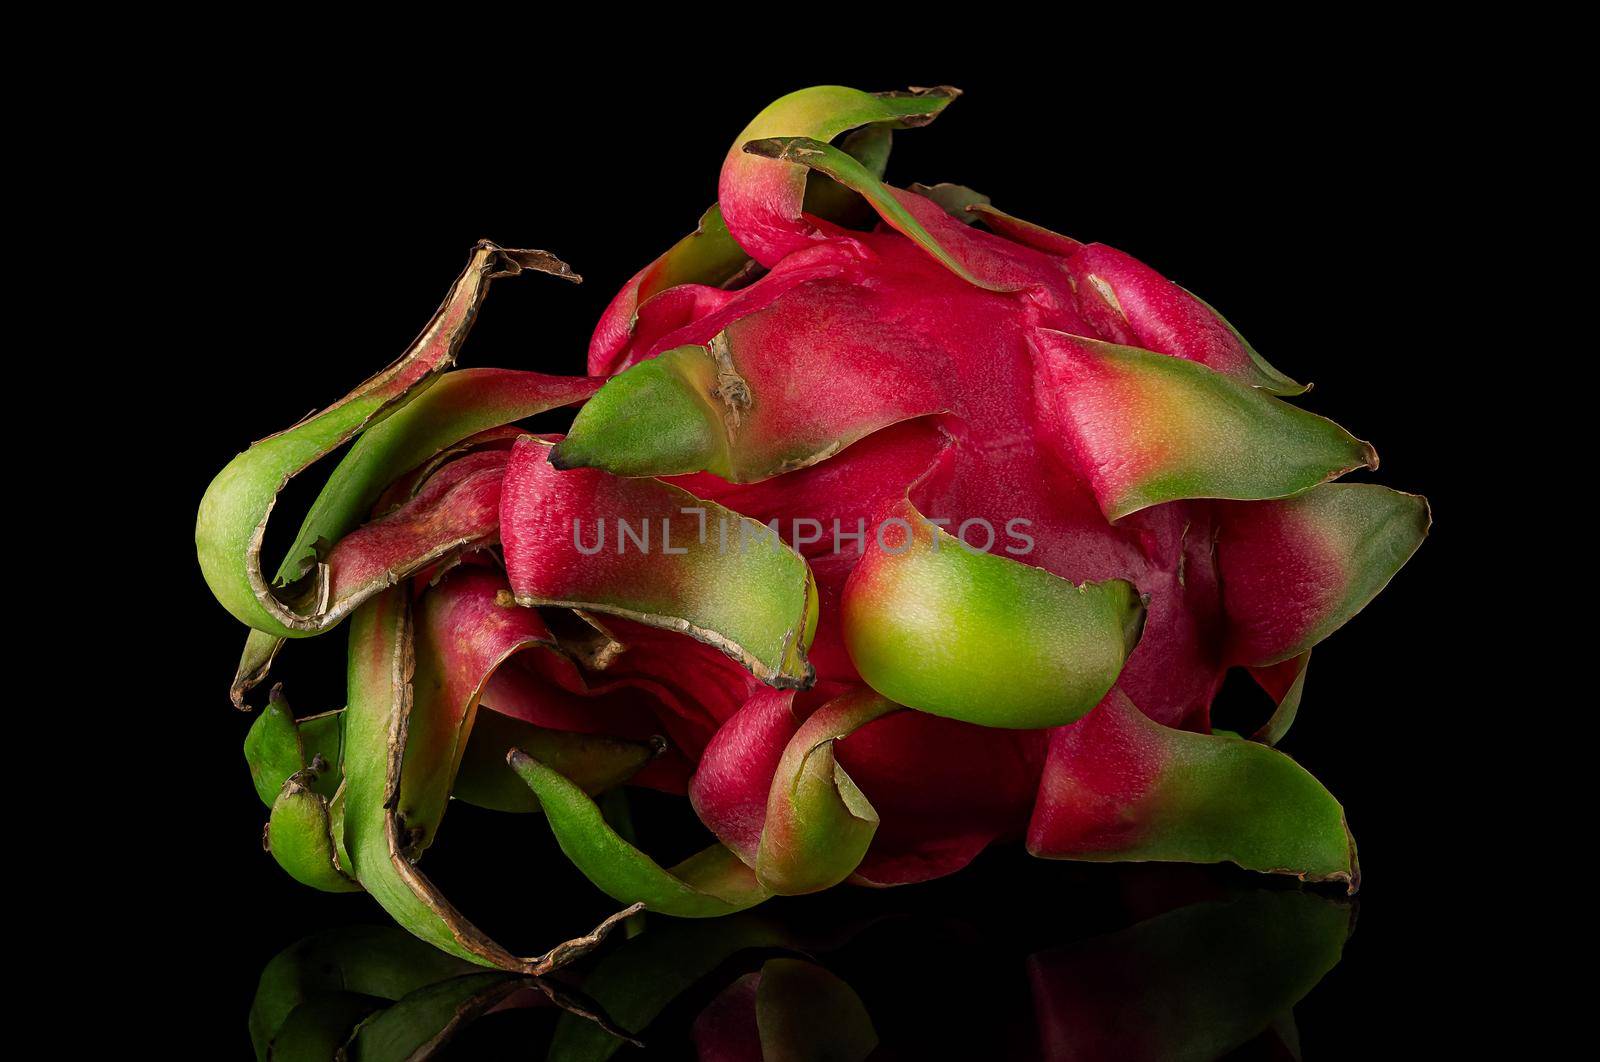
(1138, 963)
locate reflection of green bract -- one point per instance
(1195, 982)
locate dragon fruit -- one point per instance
(889, 526)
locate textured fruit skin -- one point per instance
(881, 543)
(1044, 375)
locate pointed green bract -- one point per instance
(278, 746)
(300, 837)
(710, 883)
(272, 749)
(825, 111)
(660, 417)
(832, 201)
(824, 158)
(1146, 428)
(1295, 570)
(1267, 378)
(981, 637)
(1119, 786)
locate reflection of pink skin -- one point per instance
(727, 1030)
(1196, 982)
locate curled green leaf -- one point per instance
(710, 883)
(818, 824)
(234, 511)
(378, 724)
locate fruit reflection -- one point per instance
(1197, 970)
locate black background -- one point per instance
(320, 226)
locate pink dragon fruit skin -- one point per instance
(930, 367)
(1032, 502)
